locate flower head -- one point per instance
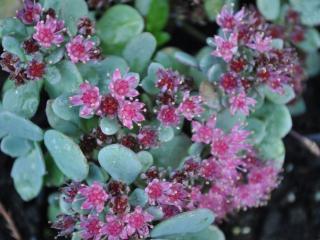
(260, 43)
(114, 229)
(156, 190)
(88, 97)
(130, 112)
(121, 87)
(35, 70)
(49, 32)
(95, 197)
(240, 102)
(203, 132)
(108, 106)
(65, 224)
(138, 222)
(227, 19)
(226, 48)
(30, 13)
(168, 115)
(90, 227)
(79, 49)
(168, 80)
(190, 106)
(148, 137)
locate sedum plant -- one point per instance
(144, 142)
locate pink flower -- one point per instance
(114, 229)
(95, 197)
(260, 43)
(79, 49)
(203, 132)
(49, 32)
(35, 70)
(130, 112)
(168, 116)
(138, 222)
(241, 103)
(227, 146)
(155, 191)
(90, 228)
(30, 13)
(229, 81)
(227, 19)
(121, 87)
(148, 137)
(168, 80)
(190, 106)
(176, 195)
(88, 97)
(226, 48)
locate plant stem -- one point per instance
(306, 142)
(10, 223)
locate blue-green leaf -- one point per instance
(19, 127)
(13, 46)
(109, 126)
(120, 162)
(184, 223)
(166, 134)
(118, 26)
(27, 174)
(270, 9)
(15, 146)
(138, 197)
(96, 174)
(145, 159)
(186, 59)
(211, 233)
(149, 82)
(139, 51)
(67, 155)
(280, 98)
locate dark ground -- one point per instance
(293, 212)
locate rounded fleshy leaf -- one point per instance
(120, 162)
(118, 26)
(166, 134)
(27, 173)
(184, 223)
(96, 174)
(17, 126)
(280, 98)
(109, 126)
(257, 129)
(186, 59)
(211, 233)
(62, 108)
(270, 9)
(149, 82)
(139, 51)
(138, 197)
(146, 160)
(272, 149)
(67, 155)
(13, 46)
(15, 146)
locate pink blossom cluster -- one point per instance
(246, 46)
(170, 84)
(119, 103)
(107, 213)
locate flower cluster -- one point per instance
(50, 33)
(106, 213)
(251, 57)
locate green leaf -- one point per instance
(177, 149)
(186, 59)
(156, 212)
(19, 127)
(149, 82)
(27, 174)
(166, 58)
(53, 208)
(311, 41)
(15, 146)
(213, 7)
(277, 118)
(13, 46)
(146, 160)
(195, 149)
(139, 51)
(280, 98)
(184, 223)
(96, 174)
(272, 149)
(298, 107)
(138, 197)
(62, 108)
(68, 81)
(71, 12)
(58, 123)
(211, 233)
(258, 129)
(54, 177)
(158, 15)
(270, 9)
(118, 26)
(214, 73)
(67, 155)
(23, 100)
(312, 66)
(309, 10)
(109, 126)
(166, 134)
(225, 120)
(120, 162)
(55, 56)
(13, 26)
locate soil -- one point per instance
(293, 212)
